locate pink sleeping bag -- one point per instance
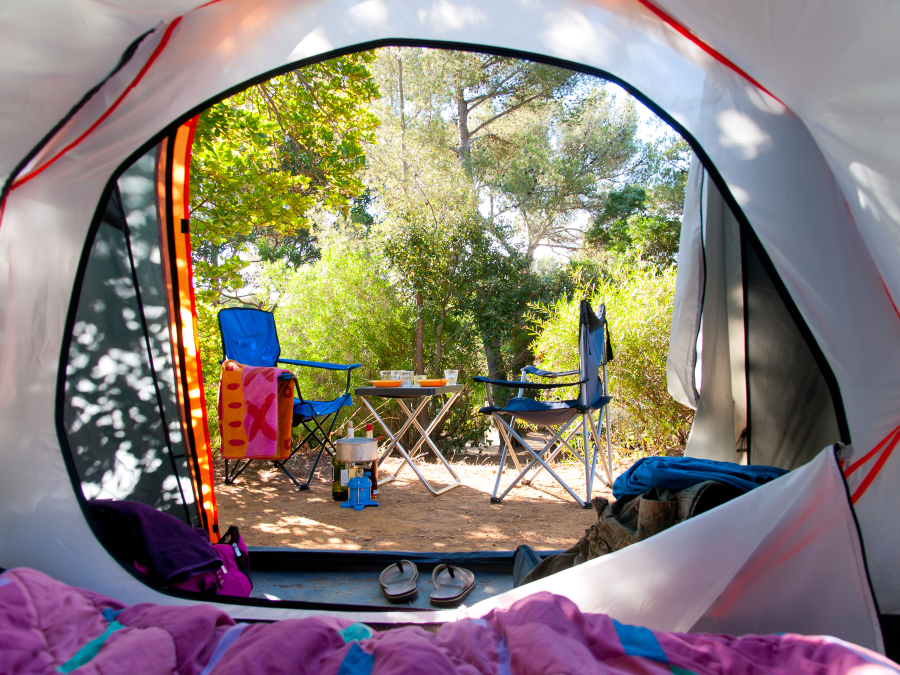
(48, 627)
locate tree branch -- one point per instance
(505, 112)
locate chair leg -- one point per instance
(280, 464)
(238, 468)
(509, 432)
(504, 446)
(323, 441)
(563, 443)
(326, 437)
(586, 445)
(608, 443)
(607, 461)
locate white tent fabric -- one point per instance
(690, 283)
(709, 311)
(674, 581)
(792, 168)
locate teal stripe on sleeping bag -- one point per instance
(640, 641)
(90, 650)
(356, 662)
(356, 632)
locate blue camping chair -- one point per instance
(594, 352)
(249, 337)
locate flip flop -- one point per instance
(451, 585)
(398, 582)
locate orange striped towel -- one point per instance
(255, 412)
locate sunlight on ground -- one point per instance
(271, 512)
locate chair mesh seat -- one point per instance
(306, 410)
(548, 413)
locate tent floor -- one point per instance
(351, 577)
(360, 588)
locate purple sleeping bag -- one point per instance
(48, 627)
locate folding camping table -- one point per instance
(426, 394)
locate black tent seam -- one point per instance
(745, 296)
(862, 543)
(696, 391)
(146, 330)
(123, 61)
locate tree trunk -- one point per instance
(404, 165)
(420, 335)
(494, 357)
(439, 342)
(462, 123)
(494, 360)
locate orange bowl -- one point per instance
(385, 383)
(431, 383)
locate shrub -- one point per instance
(638, 298)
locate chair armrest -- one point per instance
(518, 384)
(320, 364)
(531, 370)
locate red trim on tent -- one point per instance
(881, 278)
(718, 56)
(156, 52)
(858, 463)
(873, 473)
(192, 128)
(890, 297)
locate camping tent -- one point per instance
(788, 105)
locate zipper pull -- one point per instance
(237, 551)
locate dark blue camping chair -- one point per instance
(594, 352)
(249, 337)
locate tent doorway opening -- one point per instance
(422, 209)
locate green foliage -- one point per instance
(345, 309)
(646, 217)
(638, 298)
(379, 196)
(210, 356)
(545, 164)
(268, 157)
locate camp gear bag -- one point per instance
(232, 578)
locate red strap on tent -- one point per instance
(867, 481)
(718, 56)
(886, 447)
(156, 52)
(858, 463)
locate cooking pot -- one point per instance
(356, 449)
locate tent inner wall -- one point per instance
(121, 411)
(792, 412)
(738, 353)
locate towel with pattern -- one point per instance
(256, 407)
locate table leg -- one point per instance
(411, 420)
(395, 439)
(426, 433)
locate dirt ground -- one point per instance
(270, 511)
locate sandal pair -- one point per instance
(451, 584)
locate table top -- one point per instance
(407, 392)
